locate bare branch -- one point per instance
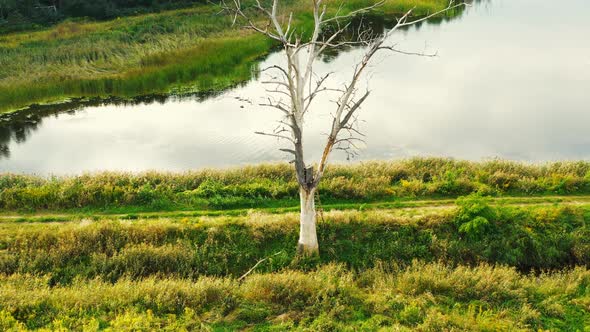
(256, 265)
(236, 10)
(452, 5)
(279, 68)
(355, 12)
(276, 106)
(318, 89)
(288, 151)
(348, 140)
(353, 108)
(275, 135)
(393, 49)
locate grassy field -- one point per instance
(422, 297)
(186, 50)
(410, 245)
(425, 268)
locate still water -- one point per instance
(511, 80)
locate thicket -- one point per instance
(530, 239)
(274, 185)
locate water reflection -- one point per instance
(510, 81)
(18, 126)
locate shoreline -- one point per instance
(88, 72)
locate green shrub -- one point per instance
(474, 215)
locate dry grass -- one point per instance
(422, 297)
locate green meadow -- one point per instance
(275, 186)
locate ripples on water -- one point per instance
(510, 81)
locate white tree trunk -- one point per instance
(308, 238)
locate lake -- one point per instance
(511, 81)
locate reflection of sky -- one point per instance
(511, 81)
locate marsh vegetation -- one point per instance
(194, 49)
(274, 185)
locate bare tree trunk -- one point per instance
(308, 238)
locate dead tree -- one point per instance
(294, 86)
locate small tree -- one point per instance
(295, 86)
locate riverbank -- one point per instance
(274, 186)
(180, 51)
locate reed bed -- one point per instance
(195, 49)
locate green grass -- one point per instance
(536, 237)
(274, 186)
(379, 269)
(187, 50)
(406, 206)
(421, 297)
(398, 250)
(190, 49)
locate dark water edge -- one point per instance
(20, 124)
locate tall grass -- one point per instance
(125, 57)
(534, 238)
(193, 69)
(421, 297)
(275, 185)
